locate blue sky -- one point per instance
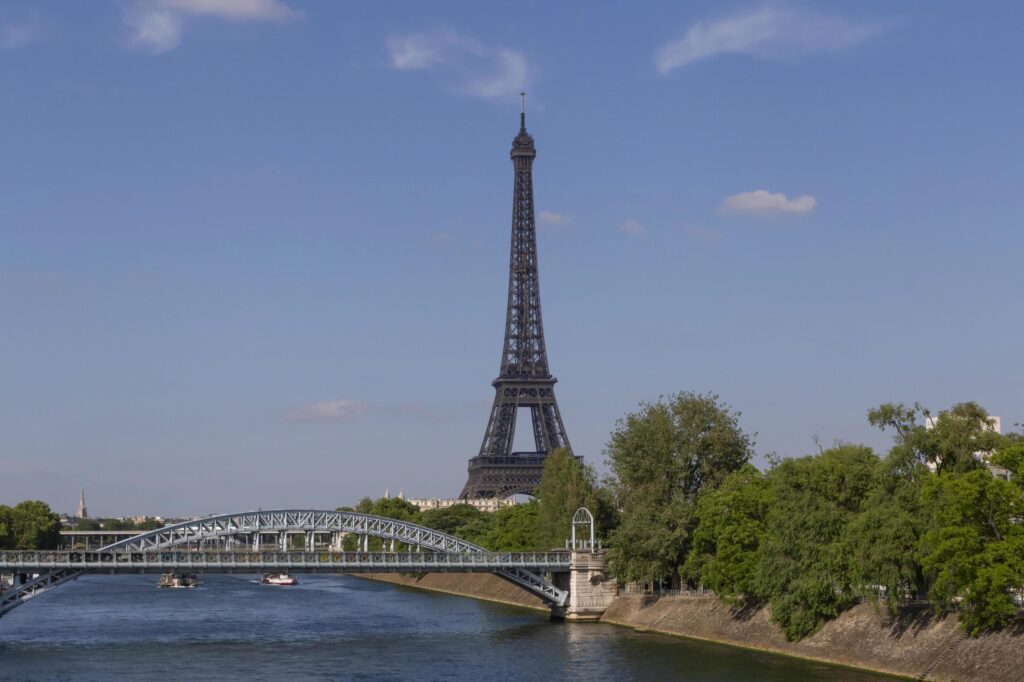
(253, 253)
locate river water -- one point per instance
(339, 627)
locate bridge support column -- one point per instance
(591, 590)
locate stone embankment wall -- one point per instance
(484, 586)
(862, 637)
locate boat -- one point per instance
(279, 579)
(178, 580)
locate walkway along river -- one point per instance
(337, 627)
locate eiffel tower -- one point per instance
(524, 380)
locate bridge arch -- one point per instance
(293, 520)
(328, 521)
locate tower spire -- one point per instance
(524, 380)
(82, 513)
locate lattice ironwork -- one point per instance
(171, 560)
(513, 568)
(525, 380)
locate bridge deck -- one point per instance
(163, 561)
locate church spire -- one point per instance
(82, 512)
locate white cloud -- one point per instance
(238, 10)
(329, 410)
(156, 26)
(554, 218)
(469, 67)
(766, 33)
(763, 201)
(13, 36)
(634, 228)
(154, 30)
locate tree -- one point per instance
(35, 526)
(974, 548)
(395, 508)
(882, 543)
(663, 458)
(803, 571)
(730, 530)
(6, 527)
(513, 529)
(952, 443)
(461, 520)
(565, 486)
(87, 524)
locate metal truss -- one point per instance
(294, 520)
(169, 560)
(524, 379)
(44, 582)
(516, 568)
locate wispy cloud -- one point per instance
(765, 33)
(469, 67)
(13, 36)
(634, 228)
(554, 218)
(763, 201)
(328, 410)
(156, 26)
(349, 410)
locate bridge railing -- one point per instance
(31, 561)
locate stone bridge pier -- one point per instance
(591, 590)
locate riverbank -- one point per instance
(909, 646)
(485, 586)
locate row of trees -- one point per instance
(813, 535)
(29, 525)
(808, 537)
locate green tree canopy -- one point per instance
(395, 508)
(882, 543)
(663, 458)
(973, 551)
(6, 527)
(566, 485)
(513, 529)
(461, 520)
(802, 570)
(730, 530)
(952, 442)
(34, 526)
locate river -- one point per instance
(339, 627)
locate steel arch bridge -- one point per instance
(295, 521)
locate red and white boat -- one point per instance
(279, 579)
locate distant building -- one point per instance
(83, 513)
(484, 504)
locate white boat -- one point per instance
(177, 580)
(279, 579)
